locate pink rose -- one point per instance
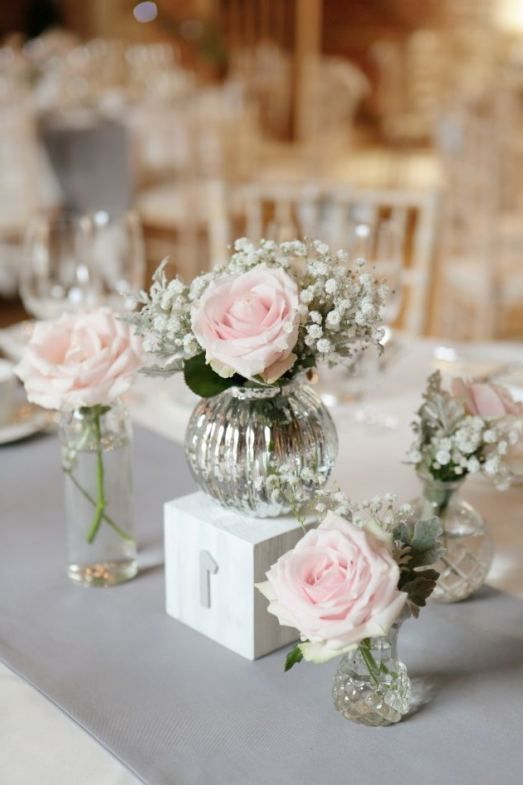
(79, 360)
(337, 586)
(248, 324)
(486, 400)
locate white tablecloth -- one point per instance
(40, 745)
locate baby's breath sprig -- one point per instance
(341, 305)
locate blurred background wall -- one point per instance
(208, 117)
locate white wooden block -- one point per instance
(213, 558)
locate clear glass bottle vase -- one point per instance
(237, 442)
(371, 685)
(96, 460)
(469, 547)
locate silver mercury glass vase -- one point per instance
(237, 441)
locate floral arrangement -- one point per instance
(465, 431)
(351, 578)
(82, 362)
(265, 316)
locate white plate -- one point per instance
(26, 421)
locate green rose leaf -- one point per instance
(202, 380)
(295, 655)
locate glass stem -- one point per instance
(370, 662)
(100, 480)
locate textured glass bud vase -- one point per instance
(237, 441)
(96, 459)
(466, 539)
(371, 685)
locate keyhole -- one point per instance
(208, 567)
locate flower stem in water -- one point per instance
(101, 503)
(370, 662)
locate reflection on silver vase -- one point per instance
(237, 441)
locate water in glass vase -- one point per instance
(101, 545)
(371, 685)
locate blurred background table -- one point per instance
(154, 105)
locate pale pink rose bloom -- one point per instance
(486, 400)
(337, 586)
(248, 324)
(79, 360)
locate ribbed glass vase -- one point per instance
(371, 685)
(237, 441)
(466, 539)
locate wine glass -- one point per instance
(56, 273)
(380, 244)
(74, 263)
(387, 261)
(117, 254)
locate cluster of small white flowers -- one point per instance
(341, 305)
(385, 511)
(164, 320)
(309, 503)
(452, 443)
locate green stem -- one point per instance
(105, 517)
(370, 662)
(101, 503)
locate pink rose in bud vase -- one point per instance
(338, 586)
(85, 359)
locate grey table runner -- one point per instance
(178, 709)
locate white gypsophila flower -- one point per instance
(321, 248)
(442, 457)
(335, 295)
(314, 331)
(491, 466)
(333, 319)
(502, 447)
(307, 295)
(324, 346)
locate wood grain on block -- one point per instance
(213, 558)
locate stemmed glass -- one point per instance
(117, 254)
(56, 272)
(73, 263)
(380, 244)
